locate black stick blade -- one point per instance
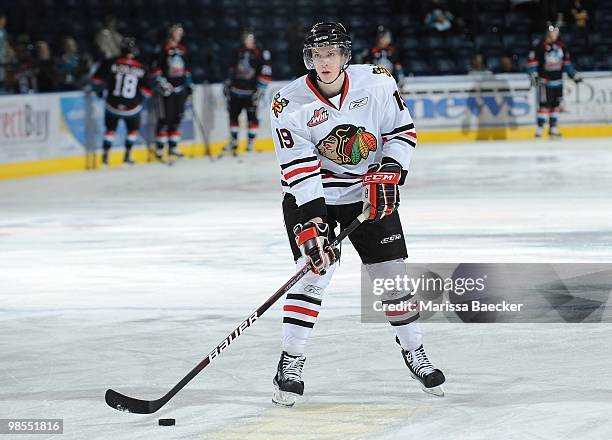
(128, 404)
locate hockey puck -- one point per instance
(167, 422)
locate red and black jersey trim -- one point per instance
(298, 161)
(406, 140)
(405, 134)
(311, 83)
(399, 130)
(346, 179)
(345, 174)
(130, 62)
(301, 179)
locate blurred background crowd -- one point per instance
(54, 45)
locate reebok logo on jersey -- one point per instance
(358, 103)
(390, 239)
(320, 116)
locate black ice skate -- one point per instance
(173, 152)
(159, 155)
(105, 159)
(421, 369)
(554, 133)
(288, 380)
(229, 149)
(127, 160)
(538, 132)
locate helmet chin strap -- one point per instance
(339, 73)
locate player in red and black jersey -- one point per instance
(384, 54)
(547, 61)
(173, 81)
(126, 80)
(248, 77)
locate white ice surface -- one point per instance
(126, 278)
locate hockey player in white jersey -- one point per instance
(338, 132)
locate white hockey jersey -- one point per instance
(324, 147)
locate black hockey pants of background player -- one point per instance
(170, 110)
(111, 121)
(237, 103)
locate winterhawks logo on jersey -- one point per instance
(378, 70)
(347, 144)
(320, 116)
(278, 104)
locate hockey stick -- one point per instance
(202, 130)
(122, 402)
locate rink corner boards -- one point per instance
(195, 150)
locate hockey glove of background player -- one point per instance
(164, 87)
(380, 191)
(312, 239)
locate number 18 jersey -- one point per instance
(324, 146)
(126, 81)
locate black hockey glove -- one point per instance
(380, 190)
(312, 239)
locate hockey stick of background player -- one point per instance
(125, 403)
(201, 127)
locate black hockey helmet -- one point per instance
(327, 34)
(128, 46)
(550, 26)
(248, 31)
(552, 29)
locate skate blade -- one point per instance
(434, 391)
(283, 398)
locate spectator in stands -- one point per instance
(439, 18)
(24, 71)
(73, 68)
(478, 66)
(108, 39)
(580, 16)
(4, 49)
(46, 72)
(505, 65)
(384, 54)
(297, 31)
